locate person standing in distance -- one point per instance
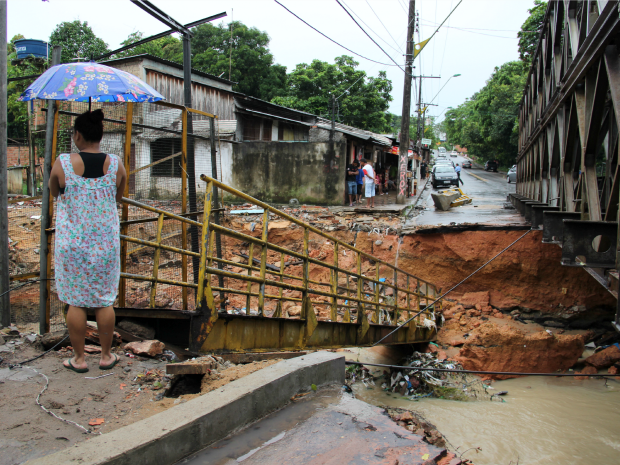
(457, 168)
(369, 183)
(88, 185)
(352, 170)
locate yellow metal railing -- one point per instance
(361, 301)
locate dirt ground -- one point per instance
(132, 391)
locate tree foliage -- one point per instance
(487, 123)
(530, 30)
(362, 102)
(77, 40)
(168, 48)
(253, 67)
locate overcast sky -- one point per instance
(480, 35)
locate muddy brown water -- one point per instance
(543, 420)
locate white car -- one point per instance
(512, 174)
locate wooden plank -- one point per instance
(259, 356)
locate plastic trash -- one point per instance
(170, 356)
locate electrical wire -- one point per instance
(450, 290)
(368, 35)
(365, 24)
(332, 40)
(386, 29)
(471, 372)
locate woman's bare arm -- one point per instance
(57, 179)
(121, 182)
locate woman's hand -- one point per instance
(121, 181)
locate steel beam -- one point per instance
(537, 214)
(527, 209)
(553, 226)
(589, 243)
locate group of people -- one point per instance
(361, 176)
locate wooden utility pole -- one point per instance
(5, 301)
(404, 125)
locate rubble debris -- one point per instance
(605, 358)
(414, 384)
(150, 348)
(418, 425)
(197, 366)
(137, 329)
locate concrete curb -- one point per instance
(169, 436)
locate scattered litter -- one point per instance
(247, 212)
(96, 422)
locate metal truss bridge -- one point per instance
(568, 180)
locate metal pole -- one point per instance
(216, 202)
(419, 111)
(404, 126)
(5, 301)
(32, 171)
(191, 161)
(45, 211)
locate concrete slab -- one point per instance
(331, 428)
(180, 431)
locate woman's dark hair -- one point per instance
(90, 125)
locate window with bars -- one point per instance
(162, 149)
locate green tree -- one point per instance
(362, 102)
(252, 64)
(168, 48)
(487, 123)
(17, 112)
(77, 40)
(530, 29)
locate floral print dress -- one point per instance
(87, 247)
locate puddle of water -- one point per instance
(544, 421)
(267, 431)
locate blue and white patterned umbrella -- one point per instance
(83, 82)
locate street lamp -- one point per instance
(456, 75)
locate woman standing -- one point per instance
(87, 249)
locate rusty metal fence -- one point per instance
(348, 297)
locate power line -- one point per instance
(329, 38)
(365, 24)
(386, 29)
(364, 31)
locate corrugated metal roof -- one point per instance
(379, 139)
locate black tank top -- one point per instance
(93, 166)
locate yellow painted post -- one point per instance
(377, 286)
(48, 304)
(347, 313)
(306, 269)
(122, 286)
(395, 296)
(360, 285)
(160, 227)
(408, 298)
(250, 263)
(278, 312)
(184, 204)
(200, 294)
(334, 279)
(263, 264)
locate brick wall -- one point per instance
(17, 155)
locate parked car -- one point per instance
(466, 164)
(444, 175)
(512, 174)
(453, 154)
(491, 165)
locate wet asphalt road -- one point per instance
(489, 206)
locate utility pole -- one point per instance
(5, 300)
(191, 160)
(404, 125)
(333, 130)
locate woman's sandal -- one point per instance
(74, 368)
(111, 365)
